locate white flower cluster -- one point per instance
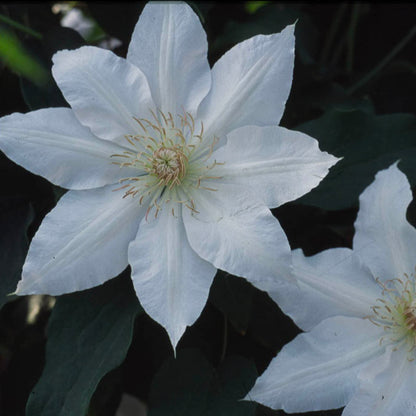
(172, 168)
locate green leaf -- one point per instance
(15, 217)
(367, 143)
(89, 334)
(180, 388)
(271, 18)
(188, 385)
(235, 378)
(233, 297)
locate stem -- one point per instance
(351, 37)
(383, 62)
(337, 53)
(19, 26)
(332, 32)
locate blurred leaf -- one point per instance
(15, 217)
(16, 25)
(48, 94)
(327, 96)
(233, 297)
(89, 334)
(188, 385)
(367, 143)
(253, 6)
(17, 58)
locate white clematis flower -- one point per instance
(171, 166)
(359, 307)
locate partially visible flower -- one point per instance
(172, 166)
(359, 307)
(74, 18)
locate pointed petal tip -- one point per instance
(254, 396)
(336, 159)
(289, 30)
(174, 337)
(391, 168)
(248, 397)
(332, 159)
(292, 27)
(19, 291)
(25, 288)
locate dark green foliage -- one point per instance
(367, 143)
(188, 386)
(233, 297)
(15, 218)
(89, 334)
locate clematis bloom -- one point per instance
(359, 308)
(172, 166)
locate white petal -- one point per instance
(384, 240)
(169, 45)
(171, 281)
(81, 243)
(386, 390)
(318, 370)
(279, 165)
(250, 83)
(104, 90)
(330, 283)
(52, 143)
(237, 235)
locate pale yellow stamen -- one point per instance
(396, 312)
(170, 160)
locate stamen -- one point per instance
(396, 311)
(170, 156)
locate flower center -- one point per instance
(169, 159)
(396, 312)
(169, 165)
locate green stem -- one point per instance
(351, 37)
(332, 32)
(383, 62)
(19, 26)
(337, 52)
